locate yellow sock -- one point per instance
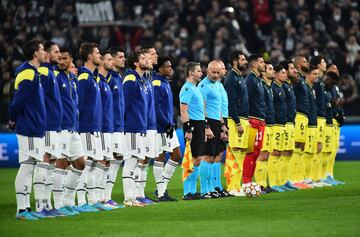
(294, 164)
(308, 159)
(272, 165)
(324, 164)
(259, 173)
(265, 173)
(301, 167)
(239, 157)
(278, 175)
(331, 162)
(318, 166)
(285, 167)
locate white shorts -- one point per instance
(52, 143)
(91, 144)
(70, 145)
(30, 148)
(151, 144)
(167, 144)
(135, 145)
(119, 143)
(106, 146)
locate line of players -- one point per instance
(76, 127)
(282, 124)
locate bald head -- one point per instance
(214, 70)
(301, 63)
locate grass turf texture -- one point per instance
(329, 211)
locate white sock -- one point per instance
(142, 180)
(58, 187)
(40, 171)
(49, 181)
(103, 184)
(158, 169)
(169, 171)
(81, 188)
(90, 185)
(111, 178)
(22, 186)
(137, 173)
(70, 184)
(98, 176)
(129, 178)
(29, 184)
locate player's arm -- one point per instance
(186, 120)
(83, 84)
(159, 94)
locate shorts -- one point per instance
(256, 135)
(267, 143)
(212, 146)
(301, 123)
(289, 137)
(197, 143)
(321, 122)
(150, 144)
(167, 144)
(135, 145)
(278, 137)
(311, 141)
(107, 146)
(119, 143)
(236, 140)
(91, 144)
(30, 148)
(51, 143)
(328, 145)
(70, 145)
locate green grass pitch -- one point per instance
(330, 211)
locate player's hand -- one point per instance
(209, 134)
(170, 132)
(224, 137)
(240, 129)
(225, 129)
(188, 136)
(11, 125)
(319, 147)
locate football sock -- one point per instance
(210, 177)
(259, 173)
(331, 162)
(294, 164)
(158, 169)
(301, 167)
(49, 182)
(22, 187)
(324, 164)
(129, 178)
(285, 168)
(111, 178)
(217, 168)
(272, 169)
(58, 187)
(143, 179)
(204, 178)
(249, 166)
(194, 179)
(169, 170)
(308, 159)
(98, 173)
(90, 184)
(70, 183)
(39, 184)
(81, 188)
(103, 184)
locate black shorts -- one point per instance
(213, 146)
(198, 138)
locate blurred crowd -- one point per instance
(196, 30)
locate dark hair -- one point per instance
(48, 45)
(285, 64)
(190, 67)
(30, 48)
(311, 68)
(278, 68)
(103, 52)
(114, 50)
(235, 56)
(253, 58)
(146, 47)
(66, 50)
(161, 62)
(134, 58)
(316, 60)
(330, 65)
(86, 49)
(333, 76)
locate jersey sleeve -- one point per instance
(186, 94)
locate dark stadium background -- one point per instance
(191, 30)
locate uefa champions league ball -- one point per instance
(252, 190)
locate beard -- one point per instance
(243, 67)
(304, 68)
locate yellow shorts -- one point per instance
(311, 141)
(236, 140)
(278, 137)
(301, 123)
(328, 145)
(289, 137)
(267, 142)
(321, 122)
